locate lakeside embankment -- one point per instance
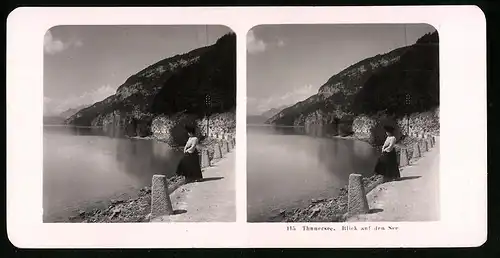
(413, 198)
(335, 209)
(213, 199)
(136, 207)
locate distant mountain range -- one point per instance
(71, 111)
(60, 119)
(53, 120)
(262, 118)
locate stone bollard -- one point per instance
(424, 146)
(403, 158)
(217, 151)
(416, 151)
(429, 143)
(356, 196)
(205, 160)
(160, 198)
(222, 148)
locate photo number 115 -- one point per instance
(341, 228)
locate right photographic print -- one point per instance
(343, 123)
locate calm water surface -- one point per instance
(286, 168)
(85, 167)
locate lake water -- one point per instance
(287, 168)
(84, 167)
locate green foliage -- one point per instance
(214, 74)
(415, 75)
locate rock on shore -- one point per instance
(325, 210)
(136, 209)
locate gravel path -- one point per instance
(211, 200)
(414, 198)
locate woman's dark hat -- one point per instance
(389, 128)
(190, 128)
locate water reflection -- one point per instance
(286, 169)
(85, 165)
(145, 158)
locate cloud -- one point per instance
(297, 94)
(52, 106)
(255, 45)
(52, 45)
(78, 43)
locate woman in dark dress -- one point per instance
(189, 165)
(387, 164)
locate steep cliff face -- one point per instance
(336, 95)
(403, 81)
(178, 84)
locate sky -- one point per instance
(86, 64)
(288, 63)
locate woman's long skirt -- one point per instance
(387, 165)
(189, 166)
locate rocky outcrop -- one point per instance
(363, 126)
(170, 129)
(370, 128)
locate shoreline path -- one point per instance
(413, 198)
(211, 200)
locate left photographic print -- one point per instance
(139, 123)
